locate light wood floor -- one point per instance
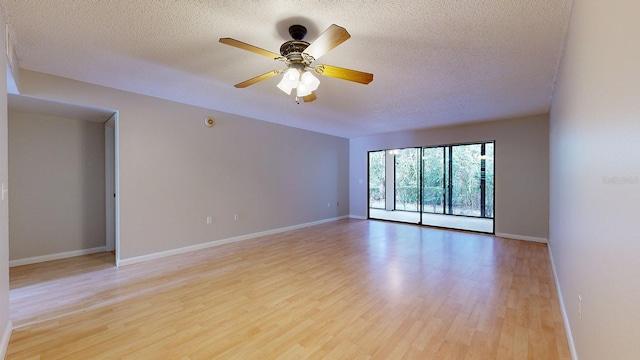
(352, 289)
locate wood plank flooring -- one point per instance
(351, 289)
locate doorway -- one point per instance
(57, 149)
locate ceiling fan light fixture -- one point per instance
(302, 90)
(289, 80)
(284, 86)
(310, 82)
(292, 76)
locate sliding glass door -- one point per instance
(394, 185)
(458, 180)
(448, 186)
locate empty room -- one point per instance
(319, 180)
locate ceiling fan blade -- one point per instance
(344, 74)
(310, 98)
(253, 49)
(259, 78)
(329, 39)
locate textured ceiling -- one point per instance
(437, 62)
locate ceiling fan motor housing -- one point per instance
(293, 49)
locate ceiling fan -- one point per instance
(299, 55)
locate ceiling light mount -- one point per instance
(297, 32)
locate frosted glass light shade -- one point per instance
(284, 86)
(304, 85)
(302, 90)
(292, 76)
(311, 82)
(289, 80)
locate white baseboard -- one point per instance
(4, 343)
(357, 217)
(563, 310)
(162, 254)
(58, 256)
(521, 237)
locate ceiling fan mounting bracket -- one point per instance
(297, 32)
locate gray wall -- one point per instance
(521, 166)
(595, 178)
(5, 325)
(57, 176)
(174, 171)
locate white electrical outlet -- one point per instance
(236, 217)
(580, 306)
(209, 220)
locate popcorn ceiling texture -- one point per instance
(435, 63)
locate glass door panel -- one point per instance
(433, 190)
(465, 180)
(407, 177)
(377, 191)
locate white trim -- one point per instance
(111, 122)
(563, 310)
(521, 237)
(4, 344)
(116, 119)
(110, 181)
(357, 217)
(58, 256)
(182, 250)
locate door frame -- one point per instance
(112, 185)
